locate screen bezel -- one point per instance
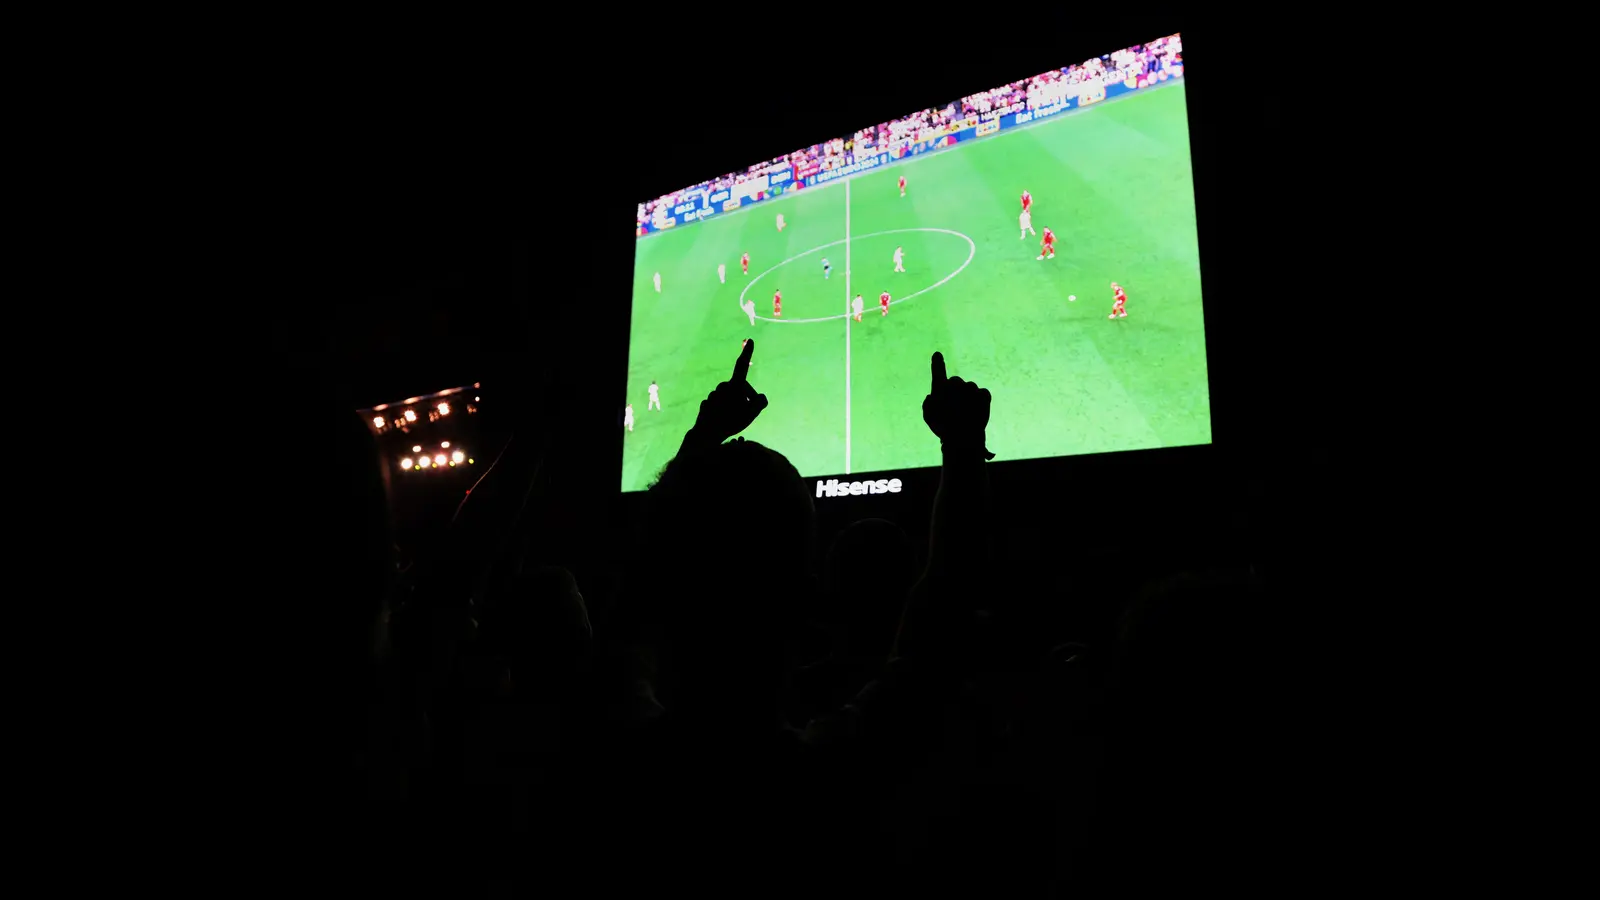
(1049, 472)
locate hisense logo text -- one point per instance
(833, 487)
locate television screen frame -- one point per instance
(854, 481)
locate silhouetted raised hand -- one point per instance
(731, 407)
(937, 625)
(957, 411)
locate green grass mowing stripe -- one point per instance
(951, 321)
(1138, 173)
(671, 319)
(995, 320)
(689, 334)
(1018, 159)
(1161, 360)
(669, 328)
(891, 353)
(800, 367)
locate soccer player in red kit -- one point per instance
(777, 304)
(883, 302)
(745, 261)
(1120, 297)
(1027, 200)
(1047, 249)
(902, 185)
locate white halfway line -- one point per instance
(847, 313)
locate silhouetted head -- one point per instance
(728, 543)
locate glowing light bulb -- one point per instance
(411, 415)
(416, 448)
(423, 462)
(377, 421)
(406, 463)
(471, 461)
(445, 445)
(458, 456)
(439, 460)
(444, 409)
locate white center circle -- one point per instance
(972, 251)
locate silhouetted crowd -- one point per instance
(750, 725)
(1030, 93)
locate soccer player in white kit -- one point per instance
(627, 417)
(1026, 221)
(780, 221)
(655, 397)
(856, 305)
(899, 259)
(749, 307)
(722, 273)
(658, 282)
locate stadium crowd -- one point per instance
(734, 722)
(1042, 90)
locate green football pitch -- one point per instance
(1112, 181)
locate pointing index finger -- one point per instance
(938, 370)
(741, 369)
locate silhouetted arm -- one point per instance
(958, 537)
(728, 409)
(938, 614)
(891, 718)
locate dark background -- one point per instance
(434, 186)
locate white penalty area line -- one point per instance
(972, 251)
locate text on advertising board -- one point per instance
(833, 487)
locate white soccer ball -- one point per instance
(1071, 297)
